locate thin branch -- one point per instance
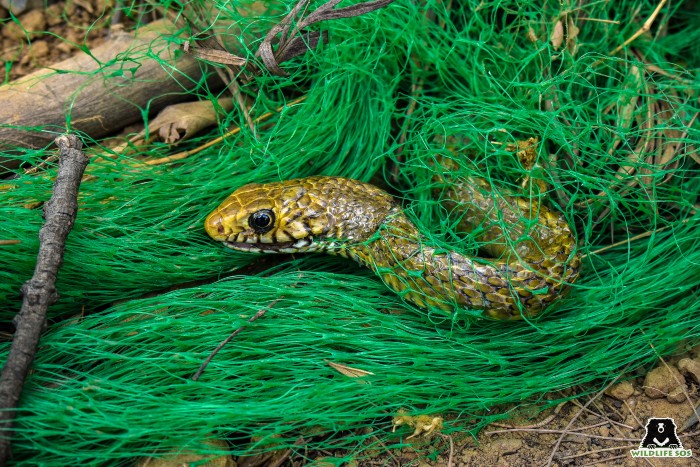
(287, 453)
(387, 451)
(645, 27)
(631, 239)
(613, 423)
(567, 431)
(211, 356)
(564, 433)
(597, 451)
(39, 292)
(289, 44)
(450, 459)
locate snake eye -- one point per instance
(261, 221)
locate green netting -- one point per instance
(615, 143)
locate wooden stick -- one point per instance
(99, 93)
(39, 292)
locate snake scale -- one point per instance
(523, 271)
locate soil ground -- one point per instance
(600, 429)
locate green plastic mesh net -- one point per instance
(617, 137)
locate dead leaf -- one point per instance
(626, 110)
(215, 56)
(557, 37)
(85, 5)
(571, 34)
(693, 153)
(668, 140)
(348, 371)
(531, 35)
(181, 121)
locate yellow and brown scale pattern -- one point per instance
(532, 262)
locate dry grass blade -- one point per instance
(597, 451)
(10, 242)
(563, 433)
(211, 356)
(645, 27)
(631, 239)
(567, 430)
(348, 370)
(216, 56)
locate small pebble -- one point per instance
(663, 381)
(621, 391)
(32, 23)
(39, 49)
(507, 446)
(54, 14)
(676, 396)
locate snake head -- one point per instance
(309, 214)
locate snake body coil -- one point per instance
(531, 266)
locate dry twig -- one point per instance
(596, 451)
(567, 430)
(450, 459)
(291, 45)
(39, 292)
(645, 27)
(292, 41)
(257, 315)
(287, 453)
(387, 451)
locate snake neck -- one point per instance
(504, 288)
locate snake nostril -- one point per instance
(214, 225)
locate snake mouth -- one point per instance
(304, 244)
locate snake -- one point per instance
(521, 270)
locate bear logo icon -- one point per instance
(661, 434)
